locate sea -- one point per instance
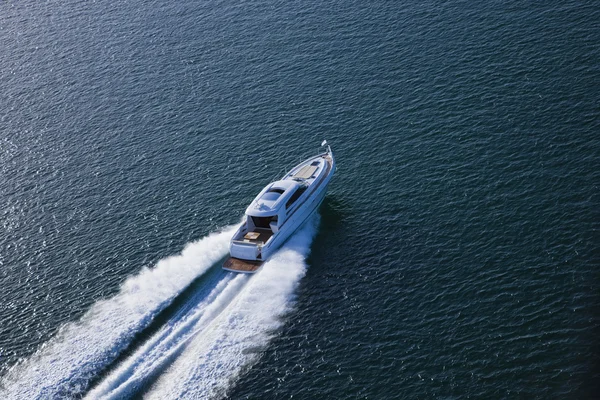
(455, 256)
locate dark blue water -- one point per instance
(456, 255)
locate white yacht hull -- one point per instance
(246, 256)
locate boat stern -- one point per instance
(244, 266)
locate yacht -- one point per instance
(278, 211)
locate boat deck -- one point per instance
(307, 171)
(238, 265)
(259, 235)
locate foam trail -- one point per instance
(214, 357)
(64, 366)
(166, 344)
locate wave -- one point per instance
(65, 365)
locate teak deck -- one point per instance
(237, 265)
(259, 235)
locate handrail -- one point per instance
(313, 188)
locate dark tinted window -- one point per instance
(261, 222)
(295, 197)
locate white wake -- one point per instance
(217, 353)
(164, 346)
(64, 366)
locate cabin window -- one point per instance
(295, 196)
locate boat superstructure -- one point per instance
(279, 210)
